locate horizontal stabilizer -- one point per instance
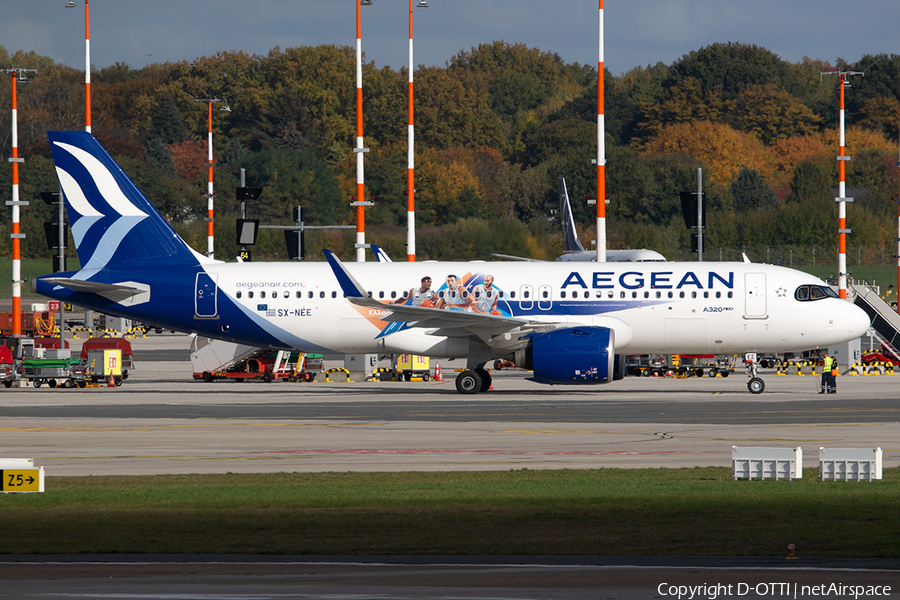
(127, 292)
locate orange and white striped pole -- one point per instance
(411, 165)
(210, 239)
(842, 204)
(360, 149)
(87, 67)
(16, 235)
(601, 153)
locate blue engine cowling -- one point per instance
(576, 355)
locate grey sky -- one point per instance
(638, 32)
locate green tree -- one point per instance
(751, 192)
(290, 178)
(727, 69)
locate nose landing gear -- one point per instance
(755, 385)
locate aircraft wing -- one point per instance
(495, 330)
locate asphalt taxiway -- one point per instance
(163, 421)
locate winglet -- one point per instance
(349, 285)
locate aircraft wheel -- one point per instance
(756, 385)
(485, 379)
(468, 382)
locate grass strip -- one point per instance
(673, 512)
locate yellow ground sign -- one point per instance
(22, 480)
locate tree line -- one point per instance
(495, 129)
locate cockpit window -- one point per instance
(808, 293)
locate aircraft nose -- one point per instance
(858, 322)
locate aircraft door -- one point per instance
(755, 296)
(205, 293)
(526, 297)
(545, 297)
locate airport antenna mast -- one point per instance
(842, 199)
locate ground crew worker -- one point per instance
(829, 383)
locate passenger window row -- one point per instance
(803, 293)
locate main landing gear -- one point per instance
(755, 385)
(473, 381)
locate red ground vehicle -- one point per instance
(882, 356)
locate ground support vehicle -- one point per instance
(307, 367)
(262, 363)
(52, 371)
(93, 352)
(414, 366)
(679, 365)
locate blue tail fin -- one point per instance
(112, 222)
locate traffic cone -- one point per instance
(438, 376)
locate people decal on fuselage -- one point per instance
(423, 296)
(455, 296)
(486, 296)
(470, 293)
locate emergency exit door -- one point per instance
(755, 296)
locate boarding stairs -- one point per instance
(885, 321)
(218, 356)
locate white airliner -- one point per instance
(573, 251)
(566, 322)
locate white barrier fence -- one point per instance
(849, 463)
(766, 463)
(835, 464)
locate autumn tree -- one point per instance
(722, 149)
(687, 102)
(770, 113)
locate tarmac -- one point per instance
(163, 421)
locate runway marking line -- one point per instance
(426, 451)
(557, 431)
(185, 426)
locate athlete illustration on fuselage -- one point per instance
(419, 297)
(455, 297)
(486, 296)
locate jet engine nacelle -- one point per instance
(575, 355)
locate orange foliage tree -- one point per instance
(190, 159)
(722, 149)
